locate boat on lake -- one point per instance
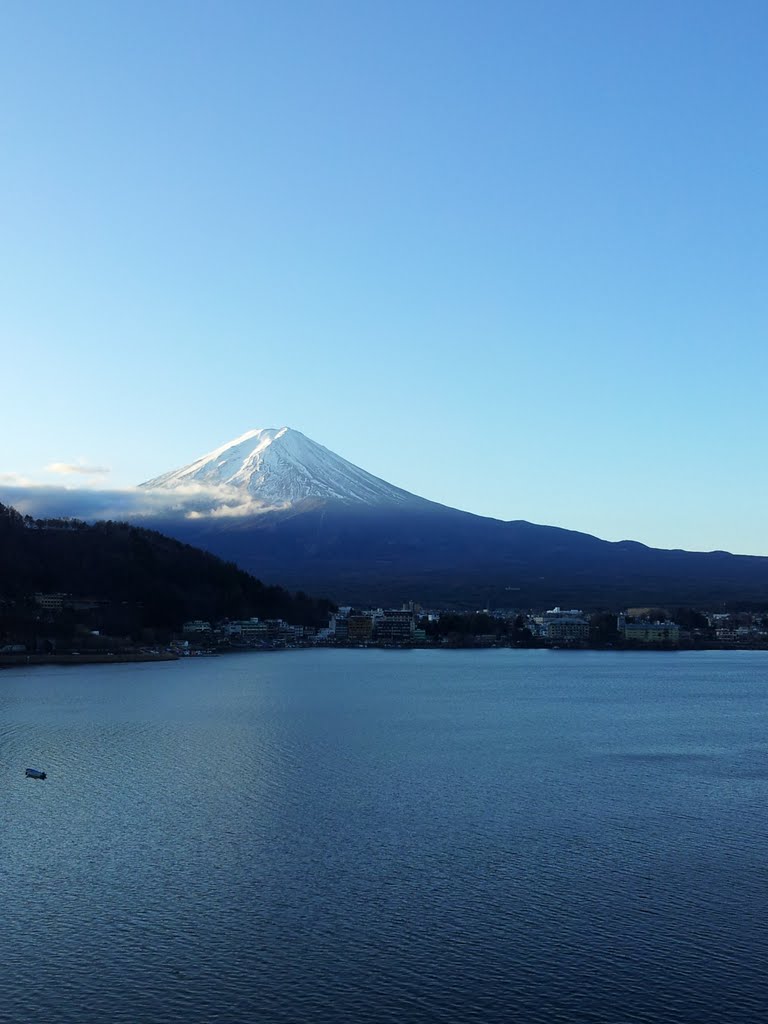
(34, 773)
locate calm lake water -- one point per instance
(371, 836)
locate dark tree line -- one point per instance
(463, 628)
(139, 577)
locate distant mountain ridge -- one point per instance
(292, 512)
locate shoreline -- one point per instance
(21, 660)
(14, 660)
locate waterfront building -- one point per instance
(196, 626)
(562, 625)
(339, 626)
(395, 627)
(652, 632)
(359, 628)
(567, 629)
(246, 630)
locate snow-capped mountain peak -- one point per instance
(278, 467)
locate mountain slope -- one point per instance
(453, 559)
(298, 514)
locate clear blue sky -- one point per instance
(511, 256)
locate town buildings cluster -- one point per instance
(385, 627)
(413, 626)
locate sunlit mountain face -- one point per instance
(275, 468)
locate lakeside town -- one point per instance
(411, 626)
(63, 631)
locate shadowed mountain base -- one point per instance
(441, 556)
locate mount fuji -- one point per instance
(292, 512)
(270, 469)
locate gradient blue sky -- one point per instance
(510, 256)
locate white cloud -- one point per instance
(193, 502)
(14, 480)
(65, 468)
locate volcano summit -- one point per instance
(278, 468)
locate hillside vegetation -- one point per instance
(137, 577)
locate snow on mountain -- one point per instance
(275, 468)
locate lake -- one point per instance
(387, 836)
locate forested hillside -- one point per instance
(138, 578)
